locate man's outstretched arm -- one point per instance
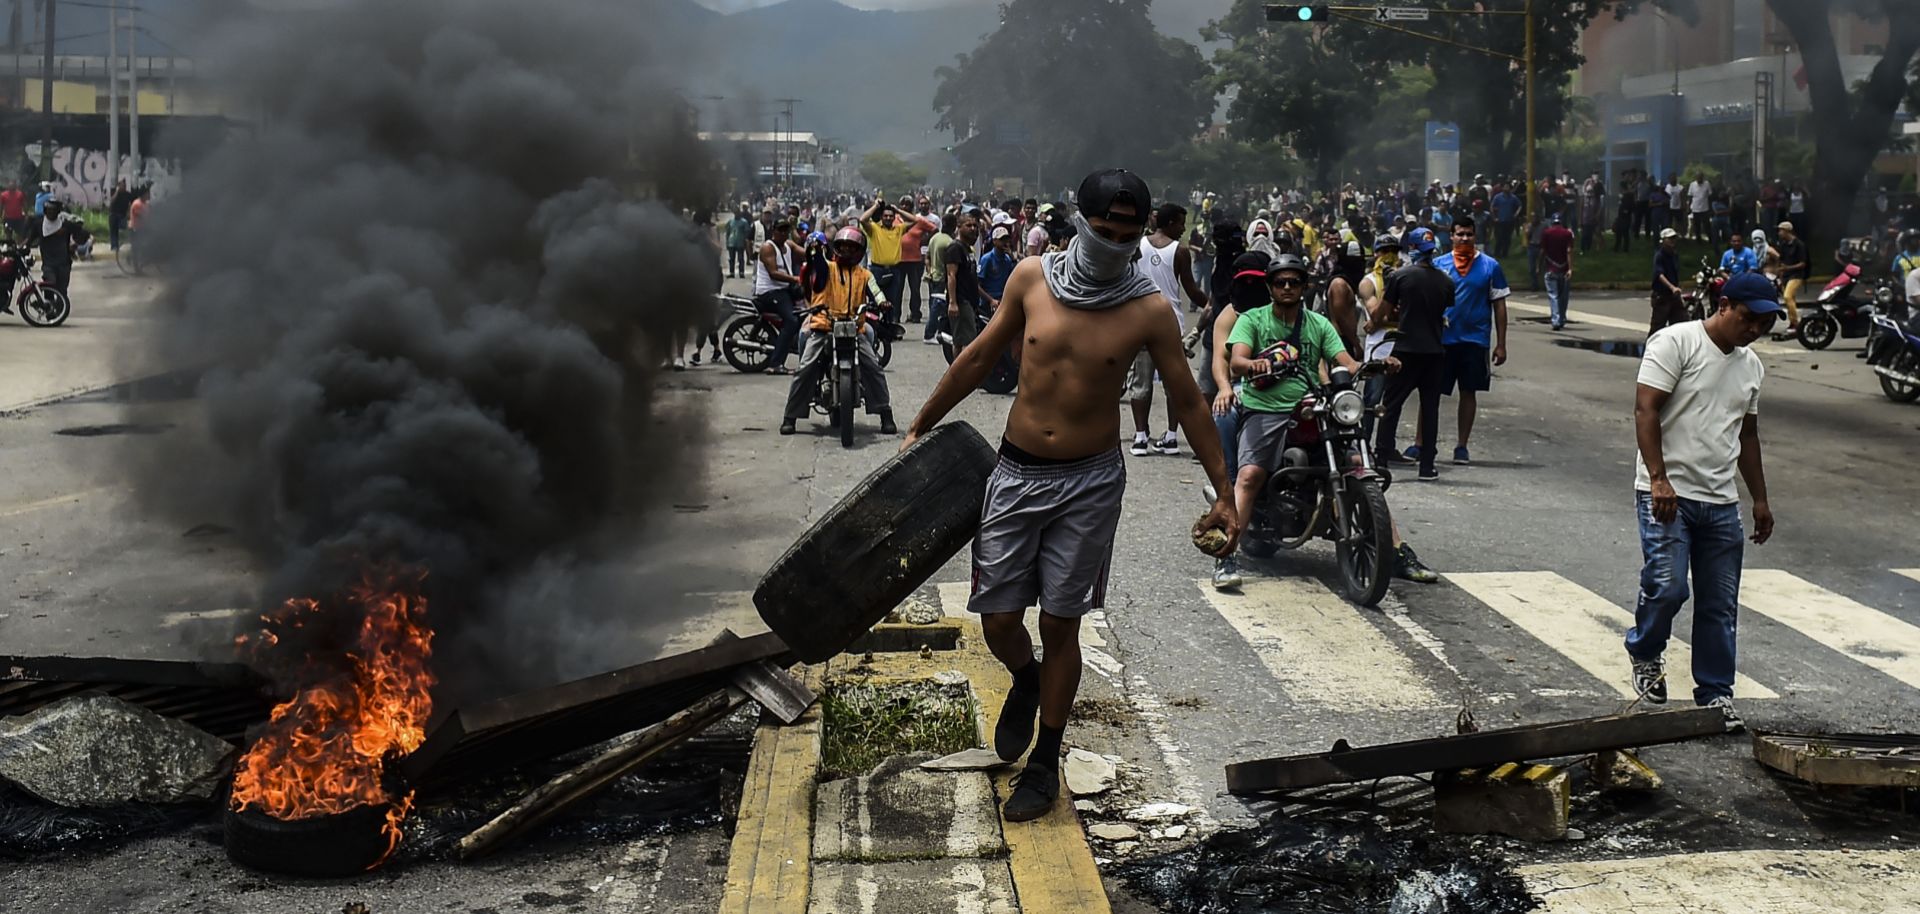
(1190, 408)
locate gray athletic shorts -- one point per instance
(1262, 437)
(1140, 378)
(1046, 535)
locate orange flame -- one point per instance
(324, 751)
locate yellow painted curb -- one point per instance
(1053, 868)
(770, 866)
(769, 870)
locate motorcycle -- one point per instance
(1846, 308)
(1328, 486)
(1005, 375)
(37, 302)
(838, 394)
(747, 339)
(1702, 300)
(1894, 353)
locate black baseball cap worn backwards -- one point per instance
(1102, 189)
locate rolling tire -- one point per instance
(740, 343)
(326, 847)
(43, 306)
(1366, 558)
(890, 534)
(1817, 331)
(843, 408)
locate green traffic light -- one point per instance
(1306, 14)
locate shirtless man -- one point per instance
(1053, 503)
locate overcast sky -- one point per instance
(1179, 17)
(728, 6)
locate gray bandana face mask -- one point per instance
(1094, 273)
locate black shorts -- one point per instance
(1470, 366)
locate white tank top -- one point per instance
(762, 283)
(1158, 265)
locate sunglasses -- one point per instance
(1287, 283)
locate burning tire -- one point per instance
(870, 551)
(330, 846)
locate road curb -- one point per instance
(769, 871)
(50, 399)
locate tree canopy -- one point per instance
(1067, 86)
(890, 173)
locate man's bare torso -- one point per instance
(1073, 364)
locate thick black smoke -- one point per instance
(432, 287)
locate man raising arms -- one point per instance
(1053, 504)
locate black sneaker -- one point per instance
(1428, 474)
(1034, 790)
(786, 427)
(1014, 733)
(1650, 679)
(1409, 568)
(1734, 723)
(886, 424)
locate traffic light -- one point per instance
(1288, 12)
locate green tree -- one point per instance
(1850, 128)
(1292, 85)
(891, 173)
(1226, 163)
(1067, 86)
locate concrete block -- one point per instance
(1622, 770)
(1524, 801)
(913, 887)
(900, 811)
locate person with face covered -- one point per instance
(1052, 505)
(58, 235)
(840, 295)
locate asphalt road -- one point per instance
(1537, 541)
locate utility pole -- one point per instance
(113, 97)
(46, 98)
(1533, 184)
(789, 157)
(133, 97)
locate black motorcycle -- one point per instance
(1894, 352)
(748, 337)
(1005, 376)
(838, 394)
(1328, 487)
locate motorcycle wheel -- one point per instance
(1817, 331)
(43, 306)
(1898, 391)
(1366, 556)
(843, 409)
(742, 340)
(885, 352)
(1259, 547)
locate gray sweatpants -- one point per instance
(817, 357)
(1046, 534)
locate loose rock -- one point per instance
(97, 751)
(920, 612)
(1158, 812)
(1088, 774)
(966, 760)
(1113, 831)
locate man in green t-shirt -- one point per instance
(1266, 341)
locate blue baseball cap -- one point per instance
(1420, 240)
(1755, 291)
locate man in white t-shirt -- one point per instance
(1700, 201)
(1696, 415)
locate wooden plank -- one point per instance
(1475, 750)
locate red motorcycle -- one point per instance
(37, 302)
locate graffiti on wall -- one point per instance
(80, 175)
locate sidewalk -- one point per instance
(99, 346)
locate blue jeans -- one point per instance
(781, 301)
(1557, 290)
(1708, 540)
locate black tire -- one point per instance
(885, 350)
(1899, 392)
(1366, 556)
(1259, 548)
(844, 401)
(890, 534)
(1004, 377)
(43, 306)
(741, 343)
(326, 847)
(1817, 331)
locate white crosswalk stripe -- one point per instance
(1860, 632)
(1583, 627)
(1913, 573)
(1732, 882)
(1320, 648)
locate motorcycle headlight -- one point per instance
(1348, 406)
(1883, 295)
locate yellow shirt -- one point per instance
(846, 290)
(883, 243)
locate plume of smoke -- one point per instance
(431, 299)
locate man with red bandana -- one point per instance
(1476, 334)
